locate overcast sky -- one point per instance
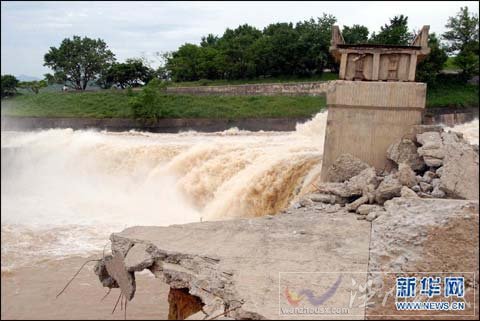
(132, 29)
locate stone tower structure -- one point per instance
(376, 99)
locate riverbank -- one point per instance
(237, 102)
(115, 104)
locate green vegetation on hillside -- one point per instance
(452, 95)
(107, 104)
(111, 103)
(450, 65)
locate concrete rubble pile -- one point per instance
(432, 163)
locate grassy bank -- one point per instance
(108, 104)
(452, 95)
(113, 104)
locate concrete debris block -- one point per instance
(405, 175)
(416, 188)
(439, 171)
(437, 192)
(428, 176)
(433, 161)
(370, 196)
(324, 198)
(138, 258)
(345, 167)
(430, 139)
(361, 181)
(365, 209)
(436, 153)
(452, 137)
(436, 182)
(405, 151)
(406, 192)
(432, 148)
(389, 188)
(339, 189)
(352, 207)
(425, 187)
(460, 173)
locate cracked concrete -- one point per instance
(234, 266)
(239, 261)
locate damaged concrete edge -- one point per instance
(199, 274)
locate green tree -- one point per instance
(355, 34)
(183, 63)
(8, 85)
(313, 45)
(145, 106)
(430, 67)
(462, 38)
(237, 56)
(394, 33)
(246, 52)
(132, 73)
(79, 60)
(33, 86)
(209, 41)
(281, 40)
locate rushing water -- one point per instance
(65, 191)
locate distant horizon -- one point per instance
(138, 29)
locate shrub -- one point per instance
(146, 106)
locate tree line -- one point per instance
(280, 49)
(285, 49)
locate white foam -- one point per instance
(64, 191)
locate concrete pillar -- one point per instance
(364, 118)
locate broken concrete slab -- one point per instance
(405, 151)
(406, 176)
(460, 171)
(430, 140)
(423, 235)
(239, 260)
(390, 187)
(138, 258)
(406, 192)
(326, 198)
(345, 167)
(432, 148)
(403, 228)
